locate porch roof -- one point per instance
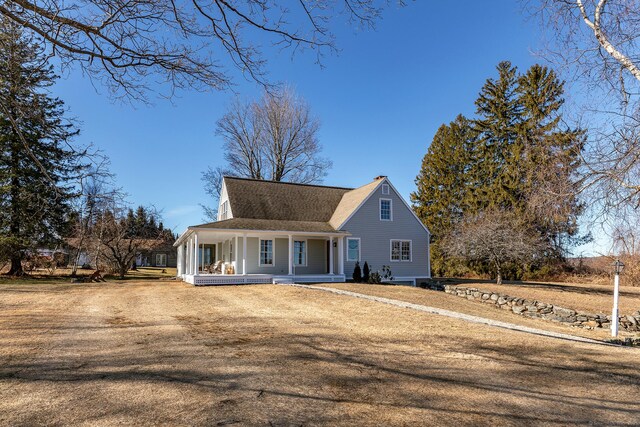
(255, 224)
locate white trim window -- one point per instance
(161, 260)
(386, 210)
(300, 253)
(401, 251)
(353, 249)
(266, 253)
(224, 210)
(385, 189)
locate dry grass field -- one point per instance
(167, 353)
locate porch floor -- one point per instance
(240, 279)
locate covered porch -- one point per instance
(220, 257)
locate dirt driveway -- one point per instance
(166, 353)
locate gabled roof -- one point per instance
(259, 205)
(282, 201)
(350, 202)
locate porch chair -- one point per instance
(216, 268)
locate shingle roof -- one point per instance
(284, 206)
(284, 201)
(350, 202)
(269, 225)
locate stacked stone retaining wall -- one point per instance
(538, 309)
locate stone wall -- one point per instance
(538, 309)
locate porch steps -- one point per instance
(279, 280)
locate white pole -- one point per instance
(340, 255)
(331, 255)
(244, 254)
(290, 255)
(195, 254)
(614, 313)
(188, 263)
(235, 261)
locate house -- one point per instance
(162, 254)
(279, 232)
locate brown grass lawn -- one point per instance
(167, 353)
(586, 297)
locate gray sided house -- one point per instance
(279, 232)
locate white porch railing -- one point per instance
(239, 279)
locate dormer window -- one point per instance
(386, 210)
(224, 210)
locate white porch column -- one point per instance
(188, 262)
(235, 259)
(340, 255)
(330, 255)
(290, 254)
(195, 253)
(244, 254)
(179, 263)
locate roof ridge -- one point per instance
(287, 182)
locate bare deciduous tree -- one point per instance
(493, 239)
(273, 139)
(117, 242)
(597, 42)
(121, 42)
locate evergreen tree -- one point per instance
(366, 272)
(515, 157)
(495, 183)
(551, 201)
(36, 165)
(443, 184)
(357, 273)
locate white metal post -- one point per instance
(330, 255)
(290, 255)
(614, 313)
(340, 255)
(244, 254)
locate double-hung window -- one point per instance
(386, 207)
(353, 249)
(224, 210)
(400, 250)
(299, 252)
(266, 252)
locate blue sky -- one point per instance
(379, 101)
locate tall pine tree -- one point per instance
(36, 164)
(515, 156)
(444, 182)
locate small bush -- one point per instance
(375, 278)
(357, 273)
(386, 273)
(366, 272)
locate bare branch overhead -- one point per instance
(184, 43)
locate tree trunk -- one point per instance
(498, 274)
(16, 265)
